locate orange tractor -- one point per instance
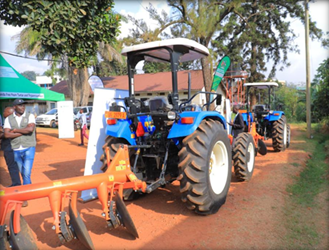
(69, 225)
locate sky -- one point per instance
(296, 73)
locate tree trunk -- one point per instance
(207, 76)
(78, 86)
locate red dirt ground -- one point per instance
(250, 219)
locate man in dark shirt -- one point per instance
(238, 123)
(9, 153)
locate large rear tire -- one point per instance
(205, 166)
(279, 134)
(113, 144)
(244, 156)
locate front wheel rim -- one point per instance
(218, 167)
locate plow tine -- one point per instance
(79, 228)
(125, 216)
(24, 239)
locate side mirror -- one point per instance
(219, 100)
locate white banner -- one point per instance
(65, 119)
(102, 101)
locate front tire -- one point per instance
(279, 135)
(53, 124)
(244, 157)
(205, 168)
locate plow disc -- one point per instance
(24, 239)
(79, 229)
(124, 216)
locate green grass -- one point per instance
(301, 206)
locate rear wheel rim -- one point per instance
(218, 167)
(251, 152)
(285, 134)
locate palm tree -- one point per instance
(29, 43)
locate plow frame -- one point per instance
(59, 192)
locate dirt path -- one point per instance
(250, 219)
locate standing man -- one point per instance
(23, 146)
(238, 123)
(8, 151)
(83, 122)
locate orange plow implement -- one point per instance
(68, 226)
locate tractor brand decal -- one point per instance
(132, 177)
(122, 162)
(57, 183)
(111, 178)
(2, 192)
(120, 167)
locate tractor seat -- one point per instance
(260, 110)
(159, 104)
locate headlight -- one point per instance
(171, 115)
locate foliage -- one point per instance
(321, 101)
(71, 28)
(111, 68)
(31, 75)
(258, 33)
(288, 98)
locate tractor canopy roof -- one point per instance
(158, 51)
(261, 85)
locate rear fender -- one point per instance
(121, 130)
(181, 130)
(274, 116)
(245, 118)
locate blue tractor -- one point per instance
(170, 139)
(270, 124)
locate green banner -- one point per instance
(220, 72)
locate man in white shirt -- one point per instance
(83, 122)
(24, 145)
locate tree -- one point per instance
(288, 97)
(29, 42)
(200, 20)
(31, 75)
(70, 28)
(258, 32)
(321, 81)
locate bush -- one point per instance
(324, 125)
